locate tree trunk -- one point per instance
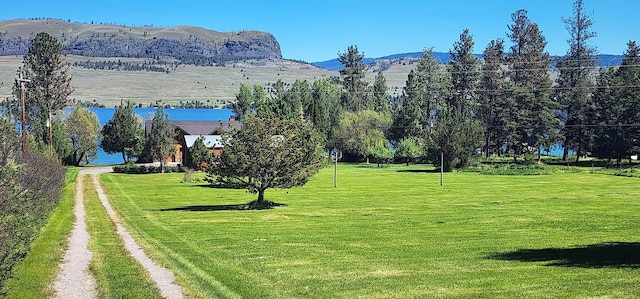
(486, 145)
(565, 151)
(124, 157)
(260, 196)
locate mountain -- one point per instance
(604, 60)
(187, 44)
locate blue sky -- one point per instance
(318, 30)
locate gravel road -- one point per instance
(74, 279)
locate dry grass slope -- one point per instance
(187, 82)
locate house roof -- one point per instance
(199, 127)
(210, 141)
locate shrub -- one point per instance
(132, 168)
(515, 169)
(631, 172)
(30, 188)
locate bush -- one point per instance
(515, 169)
(30, 189)
(132, 168)
(631, 172)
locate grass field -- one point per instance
(394, 233)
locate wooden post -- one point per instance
(441, 167)
(335, 171)
(20, 79)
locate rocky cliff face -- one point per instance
(186, 44)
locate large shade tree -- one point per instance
(83, 131)
(268, 152)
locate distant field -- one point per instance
(394, 233)
(187, 83)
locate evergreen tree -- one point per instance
(380, 102)
(161, 138)
(456, 138)
(408, 117)
(200, 154)
(353, 79)
(491, 97)
(298, 96)
(436, 86)
(324, 109)
(574, 83)
(457, 132)
(533, 124)
(244, 103)
(463, 66)
(123, 133)
(50, 84)
(268, 152)
(617, 106)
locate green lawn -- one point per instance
(394, 232)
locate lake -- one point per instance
(105, 114)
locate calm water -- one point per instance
(105, 114)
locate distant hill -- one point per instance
(604, 60)
(186, 44)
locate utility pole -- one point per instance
(20, 79)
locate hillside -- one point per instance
(604, 60)
(186, 44)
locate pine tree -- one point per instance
(123, 133)
(574, 83)
(353, 79)
(50, 84)
(464, 75)
(268, 152)
(244, 104)
(617, 106)
(534, 125)
(380, 102)
(491, 97)
(436, 86)
(161, 138)
(457, 132)
(408, 116)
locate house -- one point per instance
(187, 131)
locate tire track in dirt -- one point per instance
(162, 277)
(74, 280)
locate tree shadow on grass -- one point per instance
(603, 255)
(420, 170)
(232, 207)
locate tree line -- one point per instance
(505, 103)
